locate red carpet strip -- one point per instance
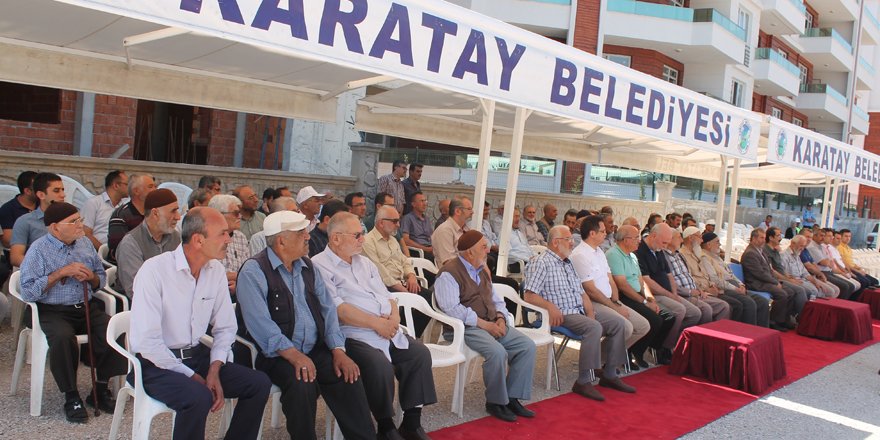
(664, 407)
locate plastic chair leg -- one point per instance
(39, 352)
(121, 400)
(276, 410)
(20, 354)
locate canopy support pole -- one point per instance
(731, 211)
(832, 207)
(519, 128)
(722, 193)
(825, 201)
(488, 107)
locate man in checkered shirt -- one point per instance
(552, 283)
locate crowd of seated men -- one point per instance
(308, 279)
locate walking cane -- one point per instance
(89, 345)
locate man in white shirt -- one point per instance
(766, 223)
(592, 267)
(96, 211)
(177, 296)
(370, 320)
(519, 244)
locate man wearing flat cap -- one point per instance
(310, 202)
(289, 314)
(155, 235)
(464, 290)
(53, 273)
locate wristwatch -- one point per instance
(645, 301)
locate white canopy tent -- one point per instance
(438, 72)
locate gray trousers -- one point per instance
(684, 317)
(515, 349)
(801, 294)
(608, 323)
(710, 307)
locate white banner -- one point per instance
(443, 45)
(801, 148)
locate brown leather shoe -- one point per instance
(587, 390)
(616, 384)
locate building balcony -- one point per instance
(821, 102)
(687, 35)
(870, 29)
(834, 11)
(774, 75)
(550, 18)
(783, 17)
(827, 49)
(866, 75)
(860, 121)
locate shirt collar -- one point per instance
(180, 262)
(275, 261)
(56, 243)
(469, 267)
(376, 236)
(38, 212)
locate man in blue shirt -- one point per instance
(56, 269)
(291, 317)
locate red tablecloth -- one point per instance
(741, 356)
(836, 319)
(871, 297)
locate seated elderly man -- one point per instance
(793, 267)
(370, 321)
(416, 227)
(130, 214)
(448, 233)
(773, 251)
(818, 263)
(56, 270)
(530, 226)
(720, 275)
(155, 235)
(742, 307)
(711, 308)
(637, 296)
(658, 278)
(759, 277)
(552, 283)
(519, 244)
(289, 314)
(595, 275)
(394, 268)
(464, 291)
(251, 217)
(258, 241)
(238, 250)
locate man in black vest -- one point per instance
(292, 319)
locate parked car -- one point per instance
(871, 239)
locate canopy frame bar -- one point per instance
(147, 37)
(351, 85)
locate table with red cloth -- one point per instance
(871, 297)
(730, 353)
(836, 320)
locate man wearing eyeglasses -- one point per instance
(251, 217)
(289, 314)
(384, 251)
(446, 236)
(370, 320)
(238, 251)
(52, 275)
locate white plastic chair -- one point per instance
(74, 192)
(419, 252)
(103, 252)
(538, 249)
(540, 336)
(39, 347)
(181, 191)
(441, 355)
(111, 280)
(7, 192)
(420, 266)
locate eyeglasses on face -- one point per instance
(392, 220)
(77, 222)
(356, 235)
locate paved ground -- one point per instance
(832, 389)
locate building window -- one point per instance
(809, 21)
(797, 122)
(670, 74)
(678, 3)
(775, 112)
(803, 74)
(21, 102)
(737, 91)
(623, 60)
(782, 53)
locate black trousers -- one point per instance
(192, 401)
(411, 366)
(661, 323)
(61, 324)
(846, 289)
(299, 399)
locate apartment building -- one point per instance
(809, 62)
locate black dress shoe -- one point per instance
(75, 412)
(778, 327)
(640, 362)
(519, 409)
(106, 403)
(633, 365)
(389, 435)
(500, 412)
(664, 356)
(418, 434)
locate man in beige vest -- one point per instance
(464, 291)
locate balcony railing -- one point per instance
(677, 13)
(766, 53)
(872, 19)
(828, 32)
(823, 88)
(862, 113)
(867, 66)
(799, 4)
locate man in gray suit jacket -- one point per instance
(759, 277)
